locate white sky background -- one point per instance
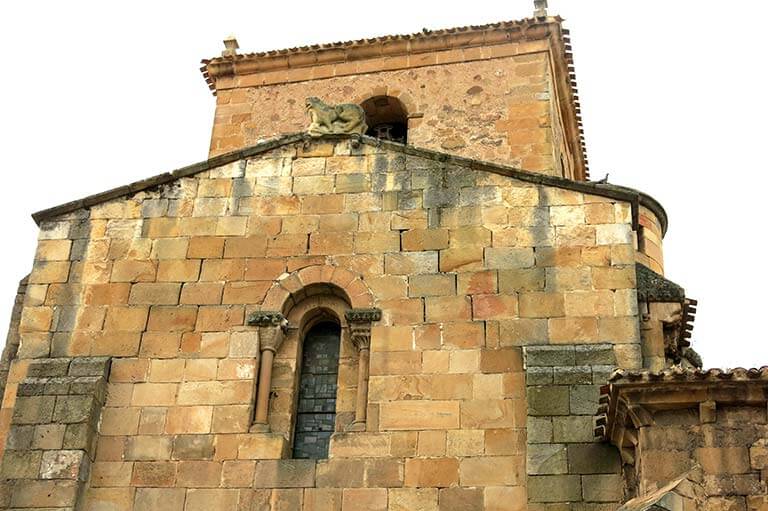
(95, 95)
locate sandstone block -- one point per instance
(602, 488)
(554, 488)
(431, 285)
(463, 442)
(569, 330)
(419, 415)
(434, 472)
(374, 499)
(245, 292)
(461, 259)
(148, 448)
(218, 319)
(425, 239)
(21, 464)
(205, 247)
(411, 263)
(189, 419)
(153, 474)
(108, 498)
(448, 308)
(478, 283)
(509, 258)
(223, 269)
(198, 474)
(469, 499)
(193, 447)
(575, 428)
(506, 441)
(261, 446)
(340, 473)
(150, 499)
(614, 277)
(542, 305)
(284, 474)
(155, 293)
(322, 499)
(362, 445)
(492, 471)
(521, 332)
(133, 271)
(723, 460)
(211, 500)
(45, 494)
(466, 335)
(178, 270)
(548, 400)
(506, 498)
(33, 410)
(492, 413)
(494, 306)
(408, 499)
(547, 459)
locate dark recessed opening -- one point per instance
(386, 118)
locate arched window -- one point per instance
(316, 406)
(386, 118)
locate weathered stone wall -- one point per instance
(650, 248)
(730, 446)
(495, 104)
(52, 438)
(9, 352)
(466, 266)
(566, 464)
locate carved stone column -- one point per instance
(360, 331)
(272, 327)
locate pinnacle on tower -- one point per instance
(230, 46)
(540, 8)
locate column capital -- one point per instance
(360, 326)
(272, 328)
(267, 318)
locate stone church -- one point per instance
(391, 287)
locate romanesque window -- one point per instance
(386, 118)
(316, 406)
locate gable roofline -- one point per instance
(611, 191)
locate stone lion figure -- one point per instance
(328, 119)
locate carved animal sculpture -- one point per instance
(328, 119)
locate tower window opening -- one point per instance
(316, 408)
(386, 118)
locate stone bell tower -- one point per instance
(503, 92)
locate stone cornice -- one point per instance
(363, 315)
(634, 197)
(379, 47)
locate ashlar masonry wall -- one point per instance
(466, 266)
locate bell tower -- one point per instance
(503, 92)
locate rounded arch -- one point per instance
(405, 99)
(315, 280)
(386, 117)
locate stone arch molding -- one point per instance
(290, 289)
(298, 290)
(410, 105)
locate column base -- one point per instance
(259, 428)
(356, 426)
